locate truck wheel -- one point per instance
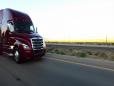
(1, 49)
(1, 53)
(16, 55)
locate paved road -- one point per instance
(51, 71)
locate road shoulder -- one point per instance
(96, 63)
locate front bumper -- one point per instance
(39, 52)
(31, 54)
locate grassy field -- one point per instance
(82, 52)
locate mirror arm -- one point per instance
(36, 30)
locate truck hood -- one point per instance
(27, 36)
(32, 35)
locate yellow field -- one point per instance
(83, 41)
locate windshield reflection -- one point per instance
(24, 27)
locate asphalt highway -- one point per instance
(54, 70)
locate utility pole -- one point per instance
(106, 39)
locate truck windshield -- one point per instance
(24, 27)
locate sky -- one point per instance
(68, 19)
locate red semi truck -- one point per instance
(18, 37)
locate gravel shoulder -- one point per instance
(105, 64)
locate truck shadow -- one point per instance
(31, 61)
(10, 59)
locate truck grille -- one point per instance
(37, 43)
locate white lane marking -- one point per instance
(82, 64)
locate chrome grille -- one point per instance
(37, 43)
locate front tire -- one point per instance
(17, 56)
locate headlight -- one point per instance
(44, 45)
(25, 46)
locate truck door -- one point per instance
(9, 35)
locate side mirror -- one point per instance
(36, 30)
(10, 22)
(10, 25)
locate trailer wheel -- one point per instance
(16, 55)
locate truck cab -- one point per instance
(18, 37)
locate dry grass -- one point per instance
(83, 53)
